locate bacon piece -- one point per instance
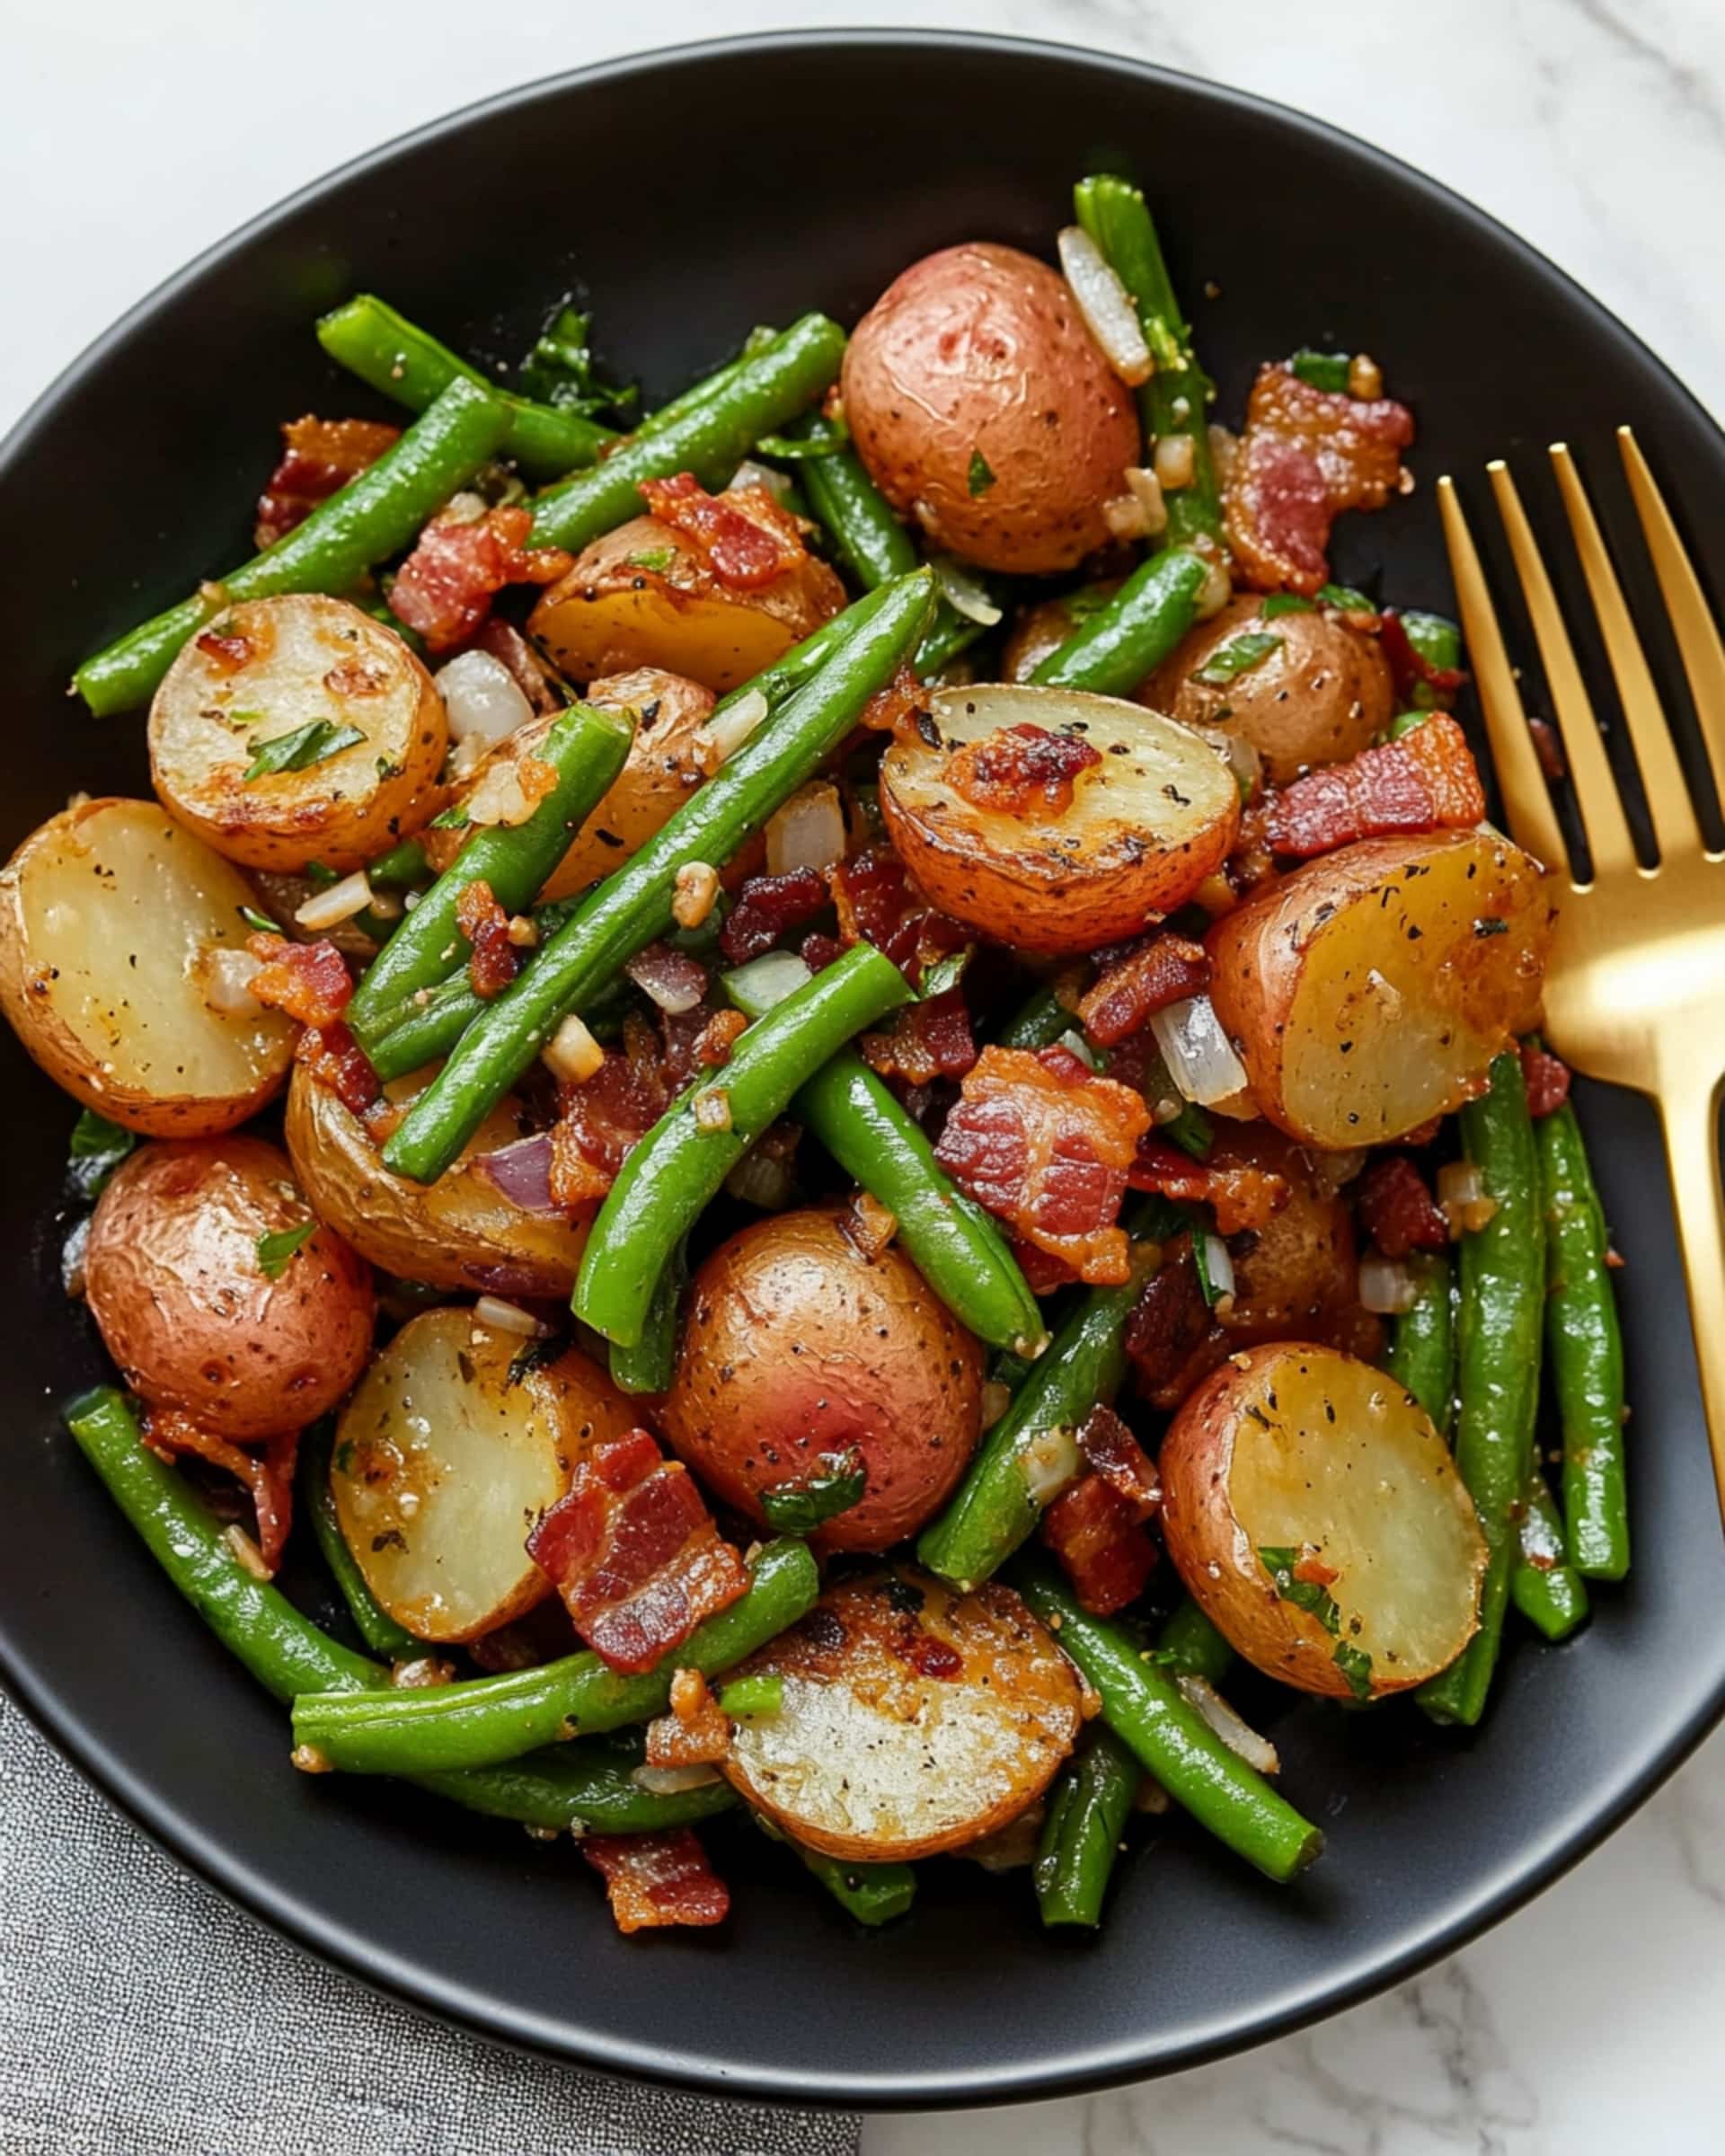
(927, 1656)
(1547, 1077)
(339, 1065)
(1427, 781)
(1306, 455)
(652, 1880)
(716, 1039)
(1396, 1209)
(1116, 1455)
(696, 1733)
(486, 926)
(633, 1553)
(901, 710)
(1045, 1143)
(1169, 1320)
(877, 903)
(318, 457)
(749, 540)
(445, 586)
(765, 907)
(602, 1117)
(818, 951)
(309, 981)
(226, 654)
(1242, 1194)
(926, 1041)
(1412, 671)
(1099, 1527)
(1020, 769)
(1151, 975)
(268, 1474)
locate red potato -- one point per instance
(986, 412)
(1335, 1469)
(1368, 991)
(796, 1346)
(178, 1276)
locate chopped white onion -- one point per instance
(340, 903)
(748, 473)
(729, 728)
(996, 1397)
(1176, 462)
(1460, 1183)
(482, 698)
(465, 507)
(1214, 593)
(671, 1781)
(501, 800)
(671, 979)
(963, 591)
(1075, 1044)
(496, 1315)
(807, 831)
(1146, 488)
(696, 890)
(571, 1054)
(1106, 305)
(228, 973)
(245, 1550)
(1050, 1462)
(1238, 1735)
(710, 1109)
(1219, 1265)
(1200, 1055)
(1124, 516)
(1386, 1287)
(765, 981)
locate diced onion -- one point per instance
(1105, 305)
(671, 1781)
(1124, 516)
(521, 1171)
(765, 981)
(728, 729)
(495, 1315)
(762, 1179)
(697, 886)
(465, 507)
(1200, 1057)
(1386, 1287)
(748, 473)
(571, 1054)
(1365, 377)
(228, 975)
(712, 1109)
(421, 1673)
(500, 800)
(1214, 593)
(340, 903)
(1460, 1183)
(1011, 1847)
(671, 979)
(245, 1550)
(964, 593)
(482, 698)
(1075, 1044)
(1146, 488)
(1219, 1265)
(1050, 1462)
(1176, 462)
(1238, 1735)
(996, 1397)
(807, 831)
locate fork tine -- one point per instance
(1696, 632)
(1668, 792)
(1583, 749)
(1533, 821)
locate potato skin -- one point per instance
(794, 1345)
(1318, 699)
(172, 1280)
(979, 350)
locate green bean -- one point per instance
(376, 1627)
(585, 748)
(1422, 1342)
(409, 366)
(1038, 1023)
(1323, 370)
(669, 1177)
(1404, 722)
(1544, 1587)
(589, 1787)
(1112, 649)
(708, 436)
(650, 1365)
(373, 516)
(1586, 1352)
(1081, 1837)
(1191, 1646)
(632, 907)
(485, 1721)
(404, 867)
(1145, 1707)
(873, 1894)
(1503, 1295)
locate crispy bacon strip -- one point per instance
(341, 1065)
(652, 1880)
(765, 907)
(1243, 1196)
(1046, 1144)
(633, 1553)
(1412, 671)
(486, 926)
(1099, 1528)
(446, 586)
(747, 539)
(604, 1116)
(1396, 1209)
(901, 710)
(227, 654)
(925, 1041)
(1427, 781)
(1169, 1320)
(318, 457)
(1159, 971)
(696, 1733)
(1021, 769)
(309, 981)
(268, 1474)
(1547, 1078)
(877, 903)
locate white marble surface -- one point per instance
(136, 134)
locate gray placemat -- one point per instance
(142, 2015)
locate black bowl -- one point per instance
(645, 185)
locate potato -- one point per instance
(914, 1719)
(1292, 1448)
(267, 668)
(986, 412)
(441, 1467)
(110, 915)
(458, 1232)
(795, 1345)
(1143, 829)
(1318, 696)
(661, 773)
(646, 595)
(177, 1274)
(1368, 991)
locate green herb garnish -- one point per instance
(1356, 1665)
(1323, 370)
(1238, 656)
(1311, 1596)
(97, 1148)
(560, 369)
(314, 743)
(263, 924)
(1206, 1286)
(455, 818)
(273, 1252)
(980, 477)
(799, 1508)
(318, 875)
(656, 558)
(1284, 602)
(1345, 599)
(945, 973)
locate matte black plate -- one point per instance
(643, 184)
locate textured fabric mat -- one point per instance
(142, 2015)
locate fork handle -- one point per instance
(1689, 1108)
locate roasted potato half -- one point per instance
(442, 1465)
(459, 1233)
(1317, 1519)
(1368, 991)
(1142, 829)
(112, 920)
(646, 595)
(346, 722)
(914, 1719)
(212, 1296)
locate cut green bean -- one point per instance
(1112, 649)
(1038, 1023)
(373, 516)
(650, 1365)
(1191, 1646)
(1422, 1342)
(376, 1626)
(1088, 1808)
(873, 1894)
(589, 1788)
(404, 867)
(1545, 1587)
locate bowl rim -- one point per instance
(1541, 1861)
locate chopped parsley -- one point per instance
(274, 1250)
(560, 369)
(97, 1148)
(980, 477)
(455, 818)
(264, 925)
(1356, 1665)
(314, 743)
(1311, 1596)
(945, 973)
(654, 557)
(799, 1508)
(1238, 656)
(1284, 602)
(1345, 599)
(1322, 370)
(1206, 1286)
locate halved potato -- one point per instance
(914, 1719)
(111, 918)
(1317, 1519)
(442, 1465)
(1368, 991)
(1142, 830)
(267, 670)
(458, 1232)
(646, 595)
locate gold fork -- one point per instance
(1636, 990)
